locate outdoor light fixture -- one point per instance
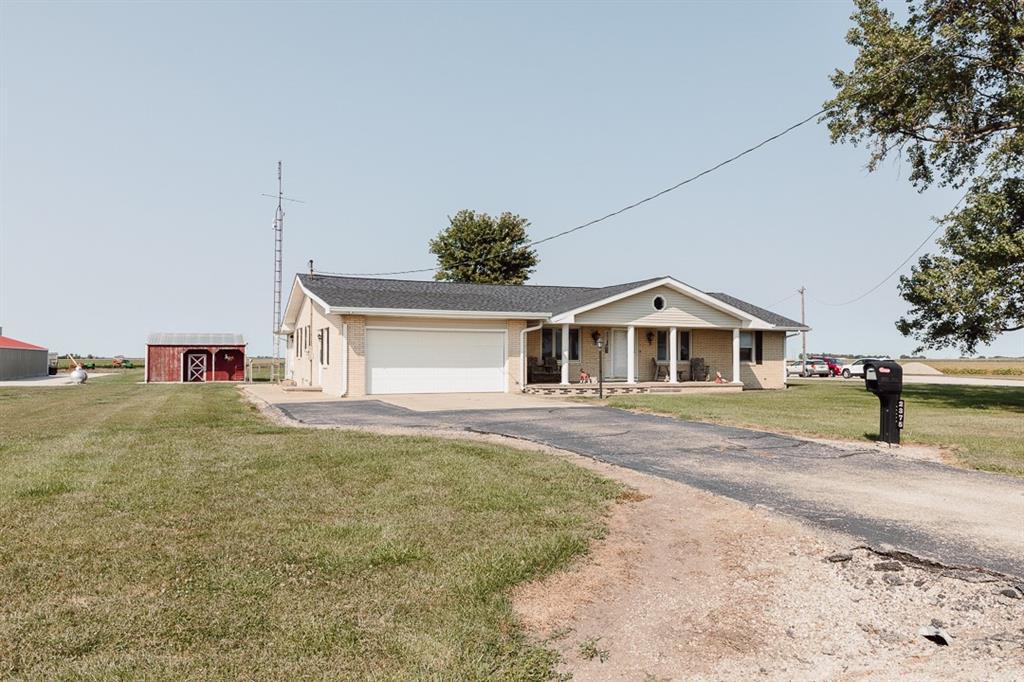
(596, 335)
(600, 364)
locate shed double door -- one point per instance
(194, 368)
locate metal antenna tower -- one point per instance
(278, 270)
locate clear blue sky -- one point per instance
(137, 138)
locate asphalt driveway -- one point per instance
(928, 509)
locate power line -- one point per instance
(620, 211)
(887, 277)
(635, 204)
(783, 300)
(899, 267)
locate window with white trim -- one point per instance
(324, 336)
(682, 346)
(747, 346)
(551, 344)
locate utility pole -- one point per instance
(278, 238)
(275, 373)
(803, 334)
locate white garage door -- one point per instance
(434, 361)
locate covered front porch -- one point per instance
(624, 388)
(634, 358)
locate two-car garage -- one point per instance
(435, 360)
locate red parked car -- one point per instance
(835, 368)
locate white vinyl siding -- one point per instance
(434, 361)
(680, 311)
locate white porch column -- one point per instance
(565, 354)
(736, 356)
(631, 355)
(673, 354)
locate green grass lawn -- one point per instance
(982, 426)
(171, 532)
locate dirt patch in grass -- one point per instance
(689, 585)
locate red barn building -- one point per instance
(195, 358)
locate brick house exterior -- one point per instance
(355, 336)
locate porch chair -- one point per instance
(660, 370)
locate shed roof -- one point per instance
(8, 342)
(194, 339)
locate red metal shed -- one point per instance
(195, 358)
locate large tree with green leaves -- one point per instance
(944, 89)
(476, 247)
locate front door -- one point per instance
(617, 366)
(195, 367)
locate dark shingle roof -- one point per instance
(766, 315)
(403, 294)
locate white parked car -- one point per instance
(856, 368)
(812, 368)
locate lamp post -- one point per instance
(600, 365)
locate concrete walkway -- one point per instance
(57, 380)
(417, 402)
(931, 510)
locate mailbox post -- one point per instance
(884, 378)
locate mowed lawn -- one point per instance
(982, 426)
(172, 532)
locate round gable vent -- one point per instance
(659, 302)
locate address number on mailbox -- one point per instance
(899, 415)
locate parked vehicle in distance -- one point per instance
(816, 367)
(835, 366)
(856, 368)
(813, 367)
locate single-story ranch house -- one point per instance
(355, 336)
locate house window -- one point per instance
(682, 346)
(325, 345)
(747, 346)
(551, 344)
(658, 302)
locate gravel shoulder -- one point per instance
(689, 585)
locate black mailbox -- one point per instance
(884, 378)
